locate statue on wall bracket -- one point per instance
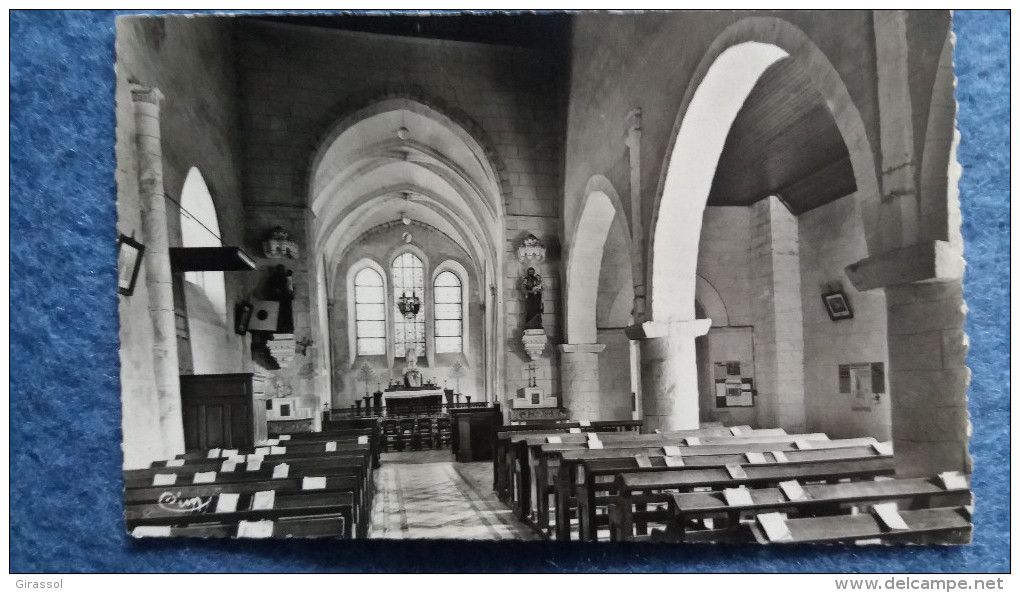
(533, 307)
(532, 251)
(534, 338)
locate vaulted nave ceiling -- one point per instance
(783, 142)
(399, 158)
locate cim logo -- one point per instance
(174, 503)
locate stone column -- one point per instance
(158, 278)
(669, 372)
(778, 323)
(928, 375)
(579, 380)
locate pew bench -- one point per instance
(597, 474)
(352, 484)
(548, 458)
(503, 434)
(581, 471)
(315, 469)
(527, 484)
(327, 526)
(938, 525)
(642, 488)
(688, 509)
(303, 450)
(232, 508)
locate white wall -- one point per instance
(831, 237)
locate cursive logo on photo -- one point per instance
(174, 503)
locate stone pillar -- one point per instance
(928, 377)
(669, 372)
(158, 277)
(778, 319)
(579, 380)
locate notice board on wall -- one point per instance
(732, 390)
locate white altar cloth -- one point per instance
(411, 394)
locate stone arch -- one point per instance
(711, 303)
(370, 102)
(599, 208)
(724, 78)
(939, 170)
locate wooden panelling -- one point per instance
(217, 411)
(783, 142)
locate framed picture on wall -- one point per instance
(129, 262)
(837, 306)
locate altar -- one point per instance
(399, 402)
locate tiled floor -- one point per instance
(441, 500)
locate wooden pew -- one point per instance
(337, 482)
(537, 477)
(322, 526)
(685, 508)
(319, 465)
(296, 467)
(374, 435)
(938, 525)
(305, 449)
(567, 495)
(648, 487)
(521, 459)
(177, 511)
(503, 434)
(596, 474)
(544, 457)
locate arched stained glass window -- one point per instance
(370, 312)
(449, 313)
(409, 280)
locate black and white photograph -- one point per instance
(677, 276)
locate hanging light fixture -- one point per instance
(402, 131)
(404, 218)
(409, 307)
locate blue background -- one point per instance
(65, 499)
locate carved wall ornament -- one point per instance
(531, 250)
(279, 245)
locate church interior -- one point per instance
(684, 276)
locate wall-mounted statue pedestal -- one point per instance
(534, 341)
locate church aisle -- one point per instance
(443, 500)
